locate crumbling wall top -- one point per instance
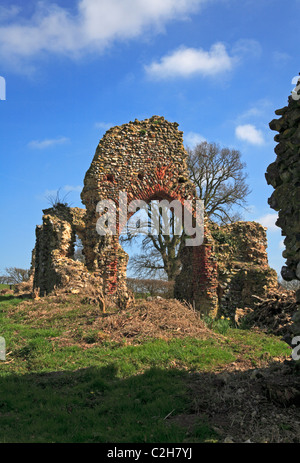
(139, 157)
(284, 174)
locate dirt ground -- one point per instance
(247, 405)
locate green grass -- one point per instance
(257, 346)
(91, 405)
(220, 325)
(106, 391)
(5, 286)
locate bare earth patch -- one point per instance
(260, 406)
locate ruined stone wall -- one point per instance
(238, 268)
(284, 176)
(53, 263)
(144, 159)
(147, 160)
(243, 268)
(197, 282)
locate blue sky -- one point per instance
(220, 68)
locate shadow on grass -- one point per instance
(7, 297)
(18, 298)
(95, 405)
(159, 406)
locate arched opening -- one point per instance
(149, 164)
(153, 238)
(78, 254)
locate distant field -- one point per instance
(4, 286)
(65, 380)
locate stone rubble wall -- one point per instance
(243, 268)
(147, 161)
(197, 282)
(284, 176)
(53, 263)
(236, 267)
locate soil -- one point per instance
(247, 405)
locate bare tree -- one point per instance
(220, 180)
(293, 285)
(151, 287)
(16, 275)
(78, 250)
(219, 176)
(159, 256)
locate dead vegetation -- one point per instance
(257, 405)
(164, 319)
(273, 314)
(155, 318)
(158, 318)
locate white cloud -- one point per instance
(268, 221)
(59, 193)
(42, 144)
(192, 139)
(281, 58)
(250, 134)
(92, 26)
(258, 110)
(103, 125)
(249, 47)
(251, 209)
(48, 194)
(70, 188)
(186, 62)
(281, 244)
(8, 12)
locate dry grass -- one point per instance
(160, 318)
(273, 313)
(163, 319)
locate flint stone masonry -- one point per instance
(147, 161)
(284, 176)
(241, 265)
(52, 260)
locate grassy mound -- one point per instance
(75, 374)
(86, 324)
